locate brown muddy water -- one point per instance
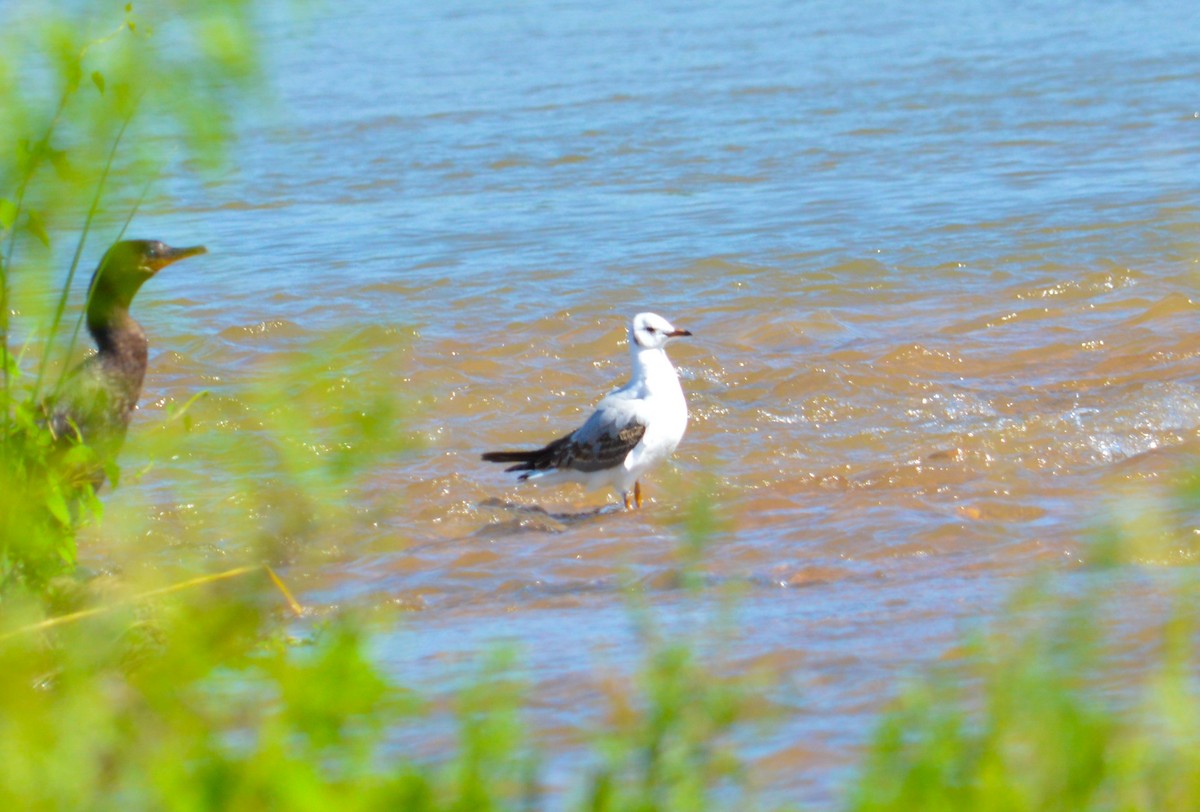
(941, 267)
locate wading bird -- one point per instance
(633, 428)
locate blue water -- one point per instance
(472, 142)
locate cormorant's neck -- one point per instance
(117, 335)
(111, 327)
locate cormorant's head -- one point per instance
(651, 331)
(130, 263)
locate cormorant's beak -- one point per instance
(679, 333)
(174, 255)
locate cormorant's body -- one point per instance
(97, 400)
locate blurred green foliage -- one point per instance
(669, 743)
(200, 705)
(200, 701)
(1053, 710)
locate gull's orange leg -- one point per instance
(637, 494)
(626, 496)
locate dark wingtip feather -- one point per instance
(509, 456)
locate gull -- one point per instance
(633, 428)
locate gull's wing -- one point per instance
(603, 442)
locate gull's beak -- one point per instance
(679, 333)
(174, 255)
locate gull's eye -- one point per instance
(650, 330)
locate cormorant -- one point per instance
(97, 399)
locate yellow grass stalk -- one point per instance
(60, 620)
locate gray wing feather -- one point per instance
(602, 442)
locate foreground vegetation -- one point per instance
(1058, 710)
(137, 691)
(203, 703)
(217, 697)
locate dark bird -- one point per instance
(96, 401)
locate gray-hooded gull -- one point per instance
(633, 428)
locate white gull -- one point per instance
(633, 428)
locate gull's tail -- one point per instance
(535, 462)
(529, 462)
(525, 459)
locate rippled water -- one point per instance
(940, 262)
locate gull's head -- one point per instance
(650, 331)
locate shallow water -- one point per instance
(940, 263)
